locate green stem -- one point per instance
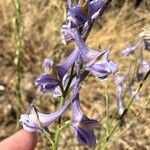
(47, 134)
(18, 47)
(58, 131)
(107, 108)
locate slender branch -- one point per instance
(107, 108)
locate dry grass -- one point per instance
(41, 22)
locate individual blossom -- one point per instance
(36, 121)
(82, 16)
(130, 50)
(57, 92)
(53, 75)
(143, 67)
(119, 81)
(83, 12)
(145, 36)
(103, 68)
(90, 58)
(147, 44)
(82, 126)
(132, 92)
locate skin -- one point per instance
(21, 140)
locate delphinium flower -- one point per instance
(83, 15)
(84, 11)
(130, 50)
(36, 121)
(132, 91)
(145, 36)
(82, 126)
(53, 76)
(144, 40)
(119, 81)
(90, 58)
(144, 67)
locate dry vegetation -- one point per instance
(41, 21)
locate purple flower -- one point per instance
(53, 75)
(131, 92)
(82, 16)
(83, 12)
(130, 50)
(57, 92)
(144, 67)
(147, 44)
(119, 80)
(101, 68)
(119, 91)
(36, 121)
(145, 36)
(82, 126)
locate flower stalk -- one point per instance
(17, 61)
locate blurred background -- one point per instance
(41, 21)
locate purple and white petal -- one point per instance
(130, 50)
(85, 136)
(82, 126)
(36, 121)
(64, 68)
(147, 44)
(47, 82)
(102, 69)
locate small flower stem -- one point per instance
(47, 134)
(18, 47)
(58, 131)
(107, 107)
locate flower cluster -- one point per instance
(67, 77)
(141, 68)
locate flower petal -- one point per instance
(147, 44)
(83, 127)
(102, 69)
(130, 50)
(63, 69)
(85, 136)
(47, 82)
